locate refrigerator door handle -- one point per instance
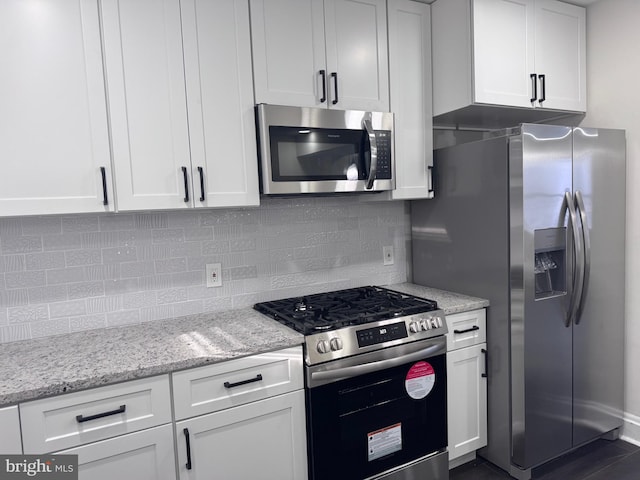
(578, 266)
(586, 257)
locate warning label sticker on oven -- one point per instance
(385, 441)
(420, 380)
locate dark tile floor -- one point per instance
(600, 460)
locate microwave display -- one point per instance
(326, 154)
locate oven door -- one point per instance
(374, 413)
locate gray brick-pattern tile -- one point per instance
(60, 274)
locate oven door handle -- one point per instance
(355, 370)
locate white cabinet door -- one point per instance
(144, 455)
(217, 54)
(467, 400)
(314, 53)
(561, 55)
(264, 439)
(146, 92)
(357, 54)
(54, 140)
(10, 440)
(410, 82)
(289, 52)
(504, 51)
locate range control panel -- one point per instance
(386, 333)
(347, 341)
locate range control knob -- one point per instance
(335, 343)
(424, 325)
(323, 346)
(414, 327)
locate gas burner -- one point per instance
(342, 308)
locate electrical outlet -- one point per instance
(387, 255)
(214, 274)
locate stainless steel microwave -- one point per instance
(320, 151)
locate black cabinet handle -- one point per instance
(534, 87)
(105, 199)
(186, 436)
(186, 184)
(433, 180)
(486, 363)
(472, 329)
(201, 171)
(334, 75)
(323, 74)
(543, 87)
(243, 382)
(82, 418)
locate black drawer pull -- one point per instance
(82, 418)
(534, 87)
(257, 378)
(188, 441)
(472, 329)
(486, 363)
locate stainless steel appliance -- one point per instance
(320, 151)
(376, 385)
(534, 221)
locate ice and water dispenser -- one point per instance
(550, 262)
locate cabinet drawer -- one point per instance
(466, 329)
(236, 382)
(68, 420)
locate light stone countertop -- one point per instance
(51, 366)
(450, 302)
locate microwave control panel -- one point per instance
(383, 142)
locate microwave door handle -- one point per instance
(373, 168)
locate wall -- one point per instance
(60, 274)
(613, 63)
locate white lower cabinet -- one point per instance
(260, 440)
(242, 419)
(466, 385)
(10, 440)
(144, 455)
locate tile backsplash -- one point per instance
(60, 274)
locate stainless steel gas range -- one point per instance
(375, 383)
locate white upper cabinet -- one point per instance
(217, 46)
(515, 53)
(411, 101)
(503, 52)
(180, 100)
(145, 79)
(315, 53)
(560, 35)
(54, 139)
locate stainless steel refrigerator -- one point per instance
(533, 219)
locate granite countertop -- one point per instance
(450, 302)
(51, 366)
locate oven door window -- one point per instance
(308, 154)
(363, 426)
